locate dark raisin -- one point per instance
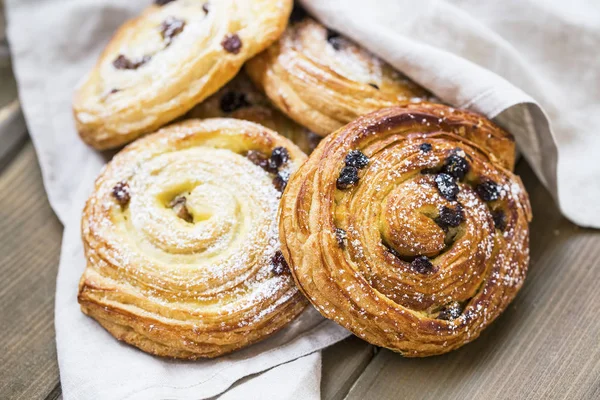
(374, 85)
(450, 217)
(179, 206)
(122, 62)
(279, 156)
(232, 43)
(422, 265)
(425, 147)
(258, 158)
(348, 177)
(205, 8)
(171, 27)
(232, 101)
(340, 236)
(112, 91)
(278, 264)
(451, 311)
(162, 2)
(298, 13)
(121, 193)
(357, 158)
(456, 165)
(334, 39)
(447, 186)
(280, 181)
(488, 190)
(499, 219)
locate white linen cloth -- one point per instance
(492, 57)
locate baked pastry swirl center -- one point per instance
(408, 227)
(181, 238)
(407, 206)
(223, 213)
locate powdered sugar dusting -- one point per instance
(215, 267)
(468, 271)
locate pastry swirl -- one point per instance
(409, 228)
(181, 240)
(242, 100)
(162, 63)
(322, 80)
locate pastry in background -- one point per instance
(181, 240)
(242, 100)
(162, 63)
(323, 80)
(409, 228)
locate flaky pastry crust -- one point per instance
(323, 80)
(242, 100)
(162, 63)
(409, 228)
(181, 240)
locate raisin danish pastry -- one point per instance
(409, 228)
(322, 80)
(242, 100)
(181, 240)
(162, 63)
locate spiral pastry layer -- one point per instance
(322, 80)
(409, 228)
(242, 100)
(181, 240)
(162, 63)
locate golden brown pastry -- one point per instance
(181, 240)
(409, 228)
(242, 100)
(162, 63)
(323, 80)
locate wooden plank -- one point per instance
(30, 238)
(545, 346)
(342, 365)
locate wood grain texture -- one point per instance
(30, 238)
(545, 346)
(342, 365)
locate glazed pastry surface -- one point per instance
(322, 80)
(240, 99)
(181, 240)
(409, 228)
(162, 63)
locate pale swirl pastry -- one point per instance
(181, 240)
(409, 228)
(162, 63)
(242, 100)
(322, 80)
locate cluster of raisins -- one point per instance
(355, 160)
(279, 157)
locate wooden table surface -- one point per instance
(545, 346)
